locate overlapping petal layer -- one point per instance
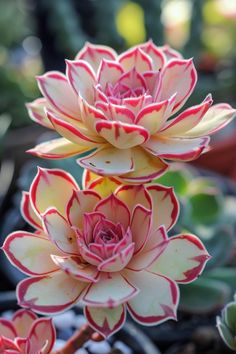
(27, 334)
(124, 107)
(106, 245)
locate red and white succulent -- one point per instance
(26, 334)
(124, 106)
(109, 250)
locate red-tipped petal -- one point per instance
(28, 212)
(118, 261)
(112, 290)
(158, 58)
(105, 186)
(76, 268)
(117, 113)
(82, 78)
(7, 329)
(23, 320)
(80, 203)
(109, 72)
(155, 245)
(78, 133)
(183, 259)
(187, 120)
(36, 110)
(90, 115)
(52, 188)
(30, 253)
(93, 54)
(140, 226)
(217, 117)
(165, 206)
(121, 135)
(109, 161)
(179, 76)
(153, 116)
(170, 53)
(42, 336)
(133, 195)
(176, 149)
(135, 58)
(114, 210)
(106, 321)
(55, 87)
(157, 300)
(39, 293)
(59, 231)
(58, 149)
(146, 167)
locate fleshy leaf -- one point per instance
(106, 321)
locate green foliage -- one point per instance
(17, 85)
(204, 295)
(226, 324)
(65, 25)
(178, 180)
(5, 121)
(10, 10)
(16, 90)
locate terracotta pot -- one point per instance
(221, 159)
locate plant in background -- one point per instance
(106, 245)
(26, 334)
(226, 324)
(121, 106)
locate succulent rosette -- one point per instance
(123, 109)
(109, 250)
(25, 333)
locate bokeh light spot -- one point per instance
(130, 23)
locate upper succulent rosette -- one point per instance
(26, 334)
(109, 250)
(122, 106)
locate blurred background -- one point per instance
(37, 36)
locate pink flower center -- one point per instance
(106, 238)
(120, 91)
(132, 87)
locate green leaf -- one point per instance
(205, 185)
(225, 334)
(203, 296)
(178, 179)
(185, 214)
(5, 121)
(230, 316)
(220, 246)
(205, 207)
(225, 274)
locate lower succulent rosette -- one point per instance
(26, 334)
(105, 246)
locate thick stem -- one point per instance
(76, 341)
